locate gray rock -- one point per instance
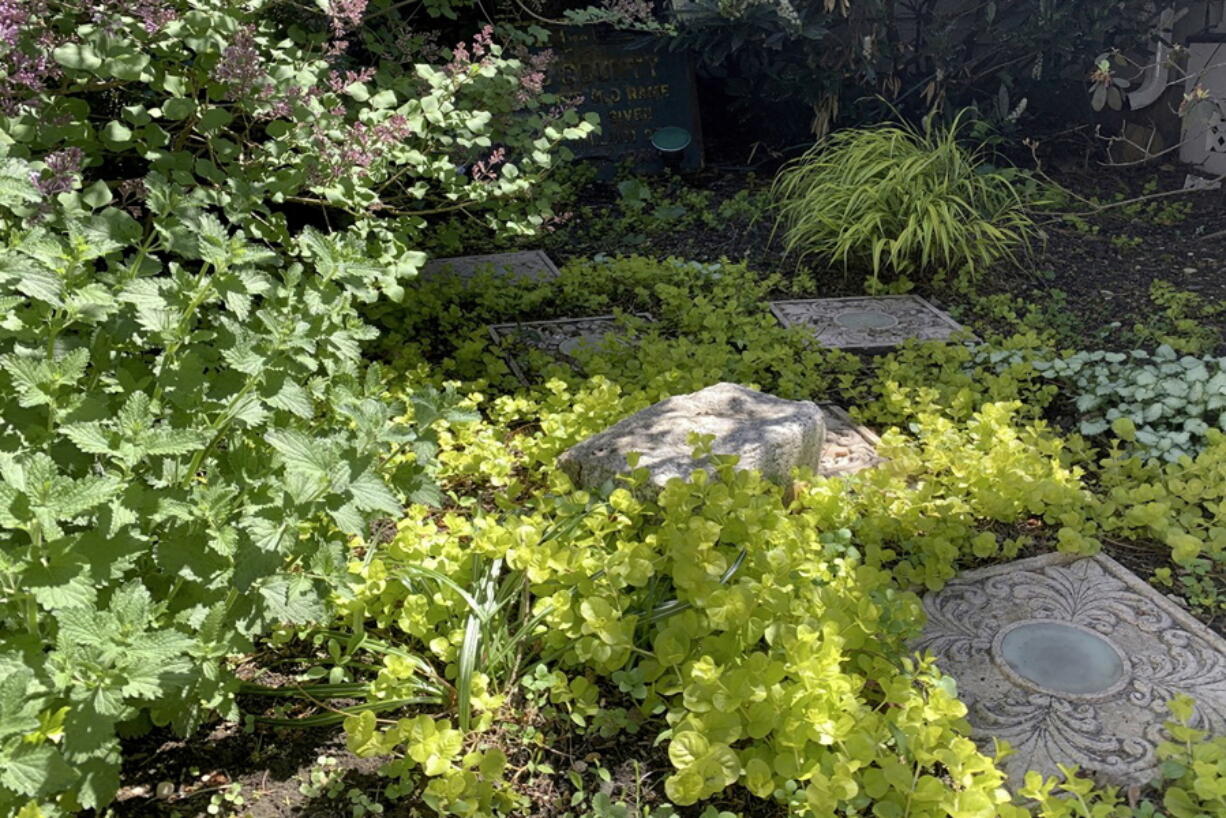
(770, 435)
(850, 447)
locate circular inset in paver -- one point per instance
(1072, 660)
(1060, 658)
(866, 319)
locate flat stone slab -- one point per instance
(528, 265)
(867, 323)
(770, 435)
(1072, 660)
(850, 447)
(559, 338)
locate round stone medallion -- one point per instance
(1060, 658)
(866, 320)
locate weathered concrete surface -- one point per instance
(527, 266)
(867, 323)
(1072, 661)
(560, 337)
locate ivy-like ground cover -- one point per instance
(762, 635)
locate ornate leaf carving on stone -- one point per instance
(1112, 729)
(1045, 731)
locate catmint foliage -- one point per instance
(189, 440)
(190, 437)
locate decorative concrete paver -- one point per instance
(867, 323)
(850, 447)
(559, 338)
(529, 265)
(1072, 661)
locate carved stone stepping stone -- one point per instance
(770, 435)
(1072, 660)
(561, 337)
(528, 265)
(850, 447)
(868, 323)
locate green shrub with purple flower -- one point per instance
(326, 120)
(196, 199)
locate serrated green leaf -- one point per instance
(60, 586)
(18, 705)
(99, 780)
(16, 189)
(91, 438)
(292, 398)
(370, 493)
(31, 770)
(302, 455)
(84, 494)
(292, 598)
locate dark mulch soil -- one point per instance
(1101, 280)
(164, 775)
(688, 236)
(1093, 280)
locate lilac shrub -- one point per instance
(331, 116)
(26, 64)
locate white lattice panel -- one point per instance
(1215, 133)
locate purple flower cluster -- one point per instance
(486, 170)
(532, 81)
(410, 45)
(558, 220)
(338, 81)
(59, 172)
(241, 70)
(153, 15)
(14, 14)
(282, 107)
(241, 67)
(132, 193)
(26, 65)
(565, 104)
(631, 11)
(357, 149)
(345, 15)
(462, 57)
(28, 38)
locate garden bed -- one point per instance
(1091, 276)
(283, 524)
(280, 771)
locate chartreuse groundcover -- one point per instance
(764, 642)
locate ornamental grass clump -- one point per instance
(897, 200)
